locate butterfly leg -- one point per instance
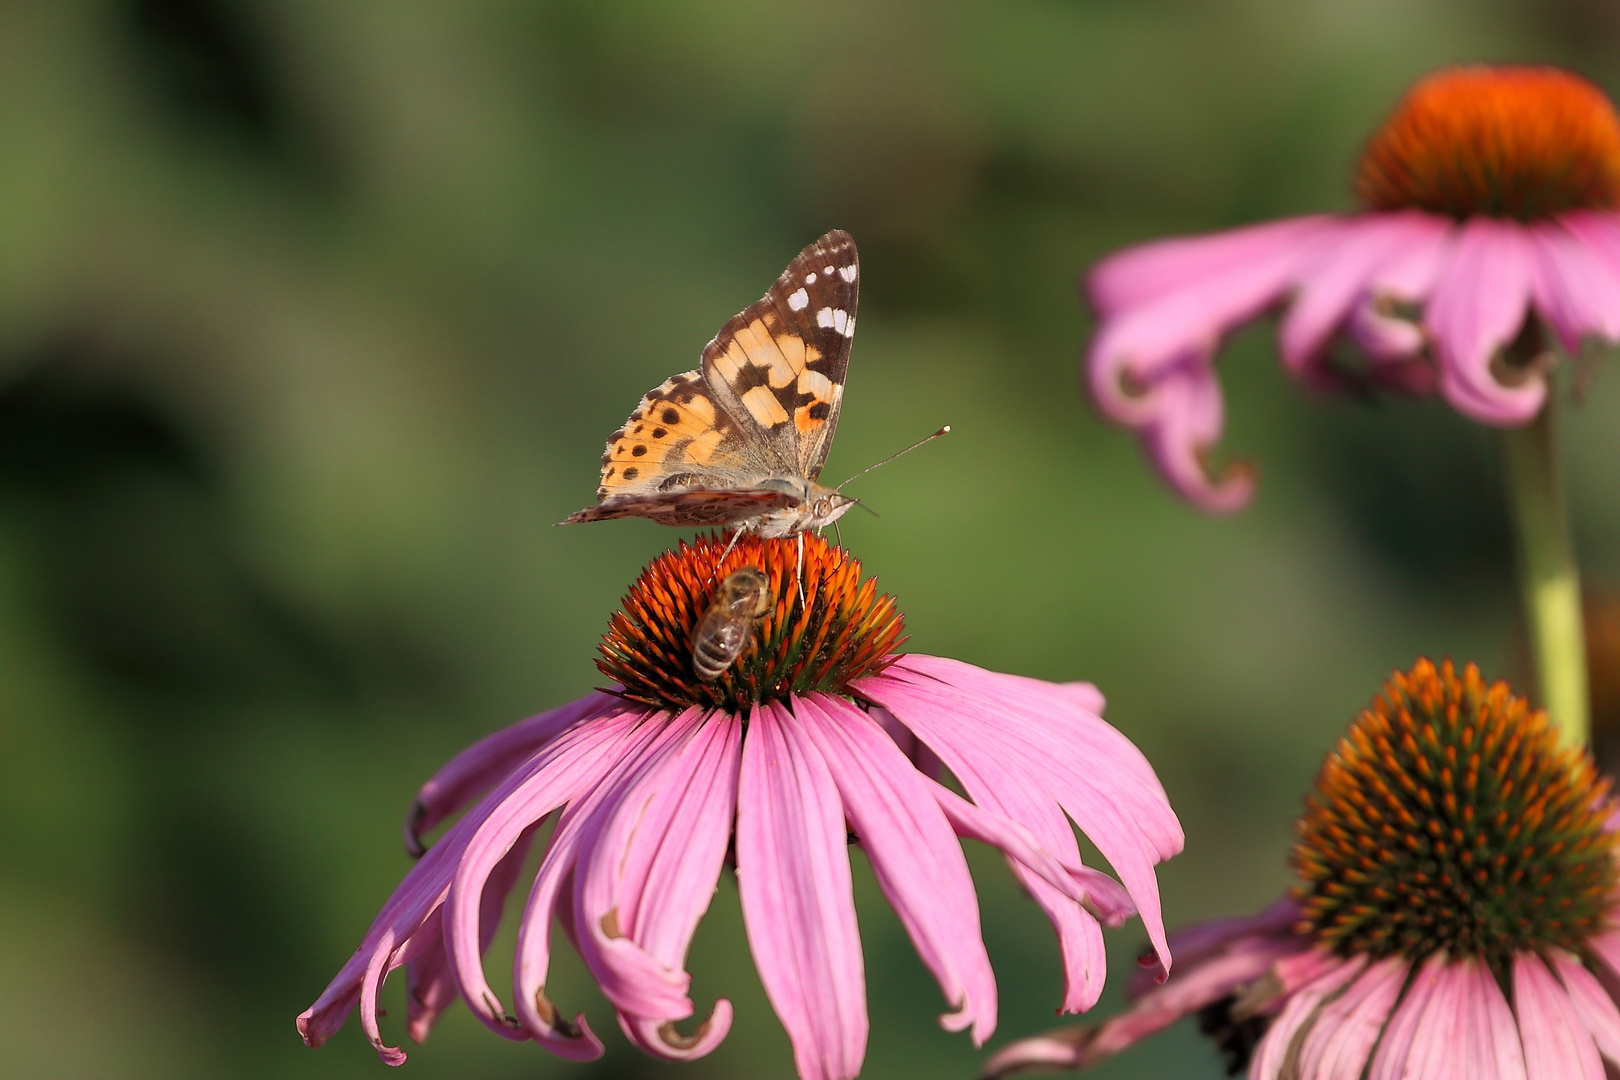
(799, 573)
(736, 534)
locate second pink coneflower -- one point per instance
(819, 736)
(1457, 914)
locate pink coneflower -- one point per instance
(818, 736)
(1457, 913)
(1489, 194)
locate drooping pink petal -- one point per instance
(1185, 993)
(1397, 1049)
(1343, 271)
(1168, 304)
(430, 984)
(1557, 1045)
(1478, 305)
(1004, 787)
(1192, 943)
(425, 885)
(1064, 712)
(1299, 1012)
(794, 880)
(1103, 898)
(1344, 1034)
(481, 765)
(573, 767)
(914, 853)
(1574, 287)
(650, 874)
(1189, 264)
(1017, 758)
(1591, 1003)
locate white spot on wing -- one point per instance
(824, 317)
(841, 322)
(848, 272)
(799, 300)
(810, 278)
(828, 271)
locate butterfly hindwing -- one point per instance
(778, 367)
(687, 508)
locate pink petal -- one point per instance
(399, 924)
(999, 751)
(574, 766)
(914, 853)
(481, 765)
(1340, 1041)
(1399, 1049)
(1343, 272)
(1190, 412)
(1149, 272)
(656, 855)
(1575, 289)
(1192, 943)
(1299, 1011)
(430, 984)
(1185, 993)
(1063, 710)
(1169, 304)
(793, 877)
(1004, 790)
(1591, 1003)
(1103, 898)
(1606, 947)
(1557, 1045)
(1487, 1044)
(1477, 308)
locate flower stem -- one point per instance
(1549, 578)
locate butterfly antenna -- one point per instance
(942, 431)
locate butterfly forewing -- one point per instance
(778, 367)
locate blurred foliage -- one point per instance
(313, 317)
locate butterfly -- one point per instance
(741, 440)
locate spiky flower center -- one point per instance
(1515, 142)
(1449, 817)
(823, 626)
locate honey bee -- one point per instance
(741, 599)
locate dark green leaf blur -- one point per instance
(314, 317)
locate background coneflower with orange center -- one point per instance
(1489, 233)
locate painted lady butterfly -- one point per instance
(741, 440)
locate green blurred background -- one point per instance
(314, 316)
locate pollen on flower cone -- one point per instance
(1515, 142)
(824, 627)
(1451, 818)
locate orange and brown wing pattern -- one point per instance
(677, 437)
(778, 367)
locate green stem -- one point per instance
(1549, 578)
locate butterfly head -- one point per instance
(817, 507)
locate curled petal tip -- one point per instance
(1060, 1048)
(413, 824)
